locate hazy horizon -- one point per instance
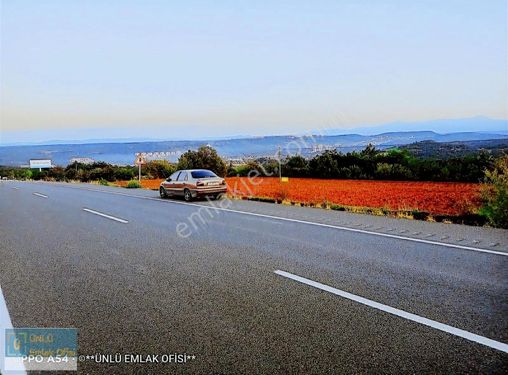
(477, 124)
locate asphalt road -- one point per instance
(131, 284)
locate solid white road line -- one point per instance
(403, 314)
(387, 235)
(106, 216)
(356, 230)
(40, 195)
(311, 223)
(5, 323)
(15, 188)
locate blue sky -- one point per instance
(168, 69)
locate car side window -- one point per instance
(182, 176)
(174, 176)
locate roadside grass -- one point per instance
(466, 219)
(103, 182)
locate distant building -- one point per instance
(82, 161)
(235, 162)
(322, 147)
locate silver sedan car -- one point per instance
(193, 183)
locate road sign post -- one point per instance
(140, 159)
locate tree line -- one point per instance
(98, 171)
(370, 164)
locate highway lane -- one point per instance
(490, 239)
(138, 287)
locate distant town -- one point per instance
(236, 151)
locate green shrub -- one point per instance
(39, 174)
(105, 172)
(124, 173)
(205, 157)
(295, 166)
(83, 175)
(495, 194)
(103, 182)
(133, 184)
(158, 169)
(337, 207)
(420, 215)
(71, 174)
(57, 173)
(241, 171)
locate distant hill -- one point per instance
(123, 153)
(443, 150)
(476, 124)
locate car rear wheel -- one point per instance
(162, 192)
(187, 195)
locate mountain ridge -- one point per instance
(123, 153)
(475, 124)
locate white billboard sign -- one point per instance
(40, 163)
(143, 157)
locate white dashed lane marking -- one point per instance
(105, 215)
(400, 313)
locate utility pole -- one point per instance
(280, 164)
(139, 171)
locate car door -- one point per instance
(171, 183)
(181, 181)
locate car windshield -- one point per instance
(203, 174)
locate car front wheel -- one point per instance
(162, 192)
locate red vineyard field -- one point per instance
(434, 197)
